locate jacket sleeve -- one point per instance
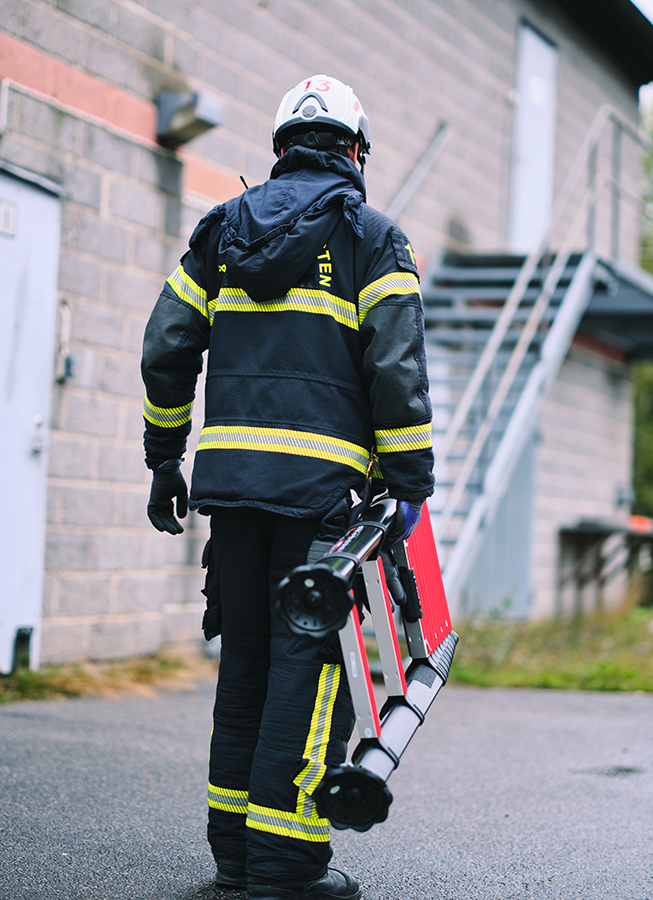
(391, 322)
(176, 335)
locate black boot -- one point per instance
(231, 873)
(333, 885)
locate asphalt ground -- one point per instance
(503, 794)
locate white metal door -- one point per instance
(534, 140)
(29, 256)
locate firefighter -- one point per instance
(308, 302)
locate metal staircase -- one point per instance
(479, 433)
(498, 328)
(463, 298)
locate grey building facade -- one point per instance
(78, 135)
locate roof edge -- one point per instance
(621, 29)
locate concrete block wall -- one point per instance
(588, 78)
(114, 587)
(84, 77)
(583, 460)
(412, 63)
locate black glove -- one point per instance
(168, 483)
(404, 522)
(392, 580)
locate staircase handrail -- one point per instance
(510, 307)
(522, 422)
(516, 294)
(520, 350)
(419, 171)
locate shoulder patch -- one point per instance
(404, 252)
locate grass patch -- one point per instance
(605, 652)
(142, 675)
(611, 651)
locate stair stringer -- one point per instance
(520, 427)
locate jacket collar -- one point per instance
(304, 158)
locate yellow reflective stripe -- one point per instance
(167, 417)
(287, 824)
(284, 440)
(186, 289)
(386, 286)
(317, 740)
(304, 824)
(227, 800)
(414, 437)
(318, 736)
(305, 804)
(296, 300)
(310, 776)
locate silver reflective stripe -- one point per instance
(413, 437)
(310, 776)
(386, 286)
(296, 300)
(293, 825)
(188, 291)
(169, 417)
(307, 780)
(305, 804)
(227, 799)
(318, 737)
(284, 440)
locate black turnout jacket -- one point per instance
(308, 302)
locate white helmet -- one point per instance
(326, 101)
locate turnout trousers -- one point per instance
(283, 710)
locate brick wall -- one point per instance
(84, 74)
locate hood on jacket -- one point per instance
(272, 233)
